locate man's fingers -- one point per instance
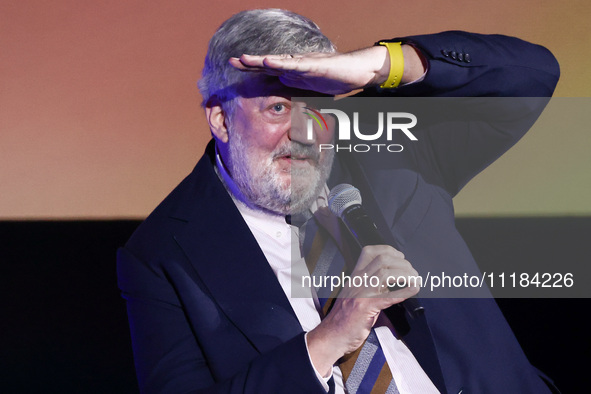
(370, 253)
(384, 268)
(248, 63)
(373, 251)
(236, 63)
(247, 66)
(320, 72)
(392, 273)
(397, 296)
(253, 62)
(282, 63)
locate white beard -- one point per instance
(261, 183)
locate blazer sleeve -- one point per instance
(462, 64)
(476, 132)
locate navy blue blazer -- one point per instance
(207, 314)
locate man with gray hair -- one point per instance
(207, 275)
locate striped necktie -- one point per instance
(365, 370)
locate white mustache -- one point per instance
(298, 150)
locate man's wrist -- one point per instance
(414, 65)
(396, 64)
(322, 378)
(384, 71)
(323, 353)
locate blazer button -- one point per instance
(467, 58)
(461, 56)
(453, 55)
(444, 53)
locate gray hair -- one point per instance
(255, 32)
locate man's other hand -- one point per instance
(356, 309)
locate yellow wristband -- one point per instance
(396, 64)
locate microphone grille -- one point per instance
(343, 196)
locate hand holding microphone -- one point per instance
(356, 309)
(344, 201)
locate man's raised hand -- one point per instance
(332, 73)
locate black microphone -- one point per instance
(345, 202)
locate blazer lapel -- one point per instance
(232, 266)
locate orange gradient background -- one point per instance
(100, 116)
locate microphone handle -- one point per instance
(366, 233)
(361, 226)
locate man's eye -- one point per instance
(279, 107)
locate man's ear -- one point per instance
(216, 117)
